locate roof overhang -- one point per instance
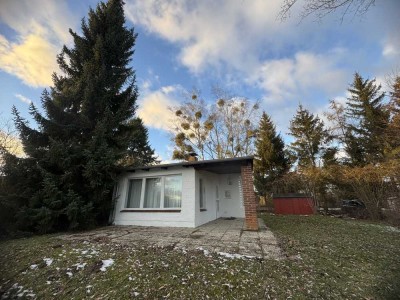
(219, 166)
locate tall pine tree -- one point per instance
(270, 162)
(367, 120)
(310, 138)
(86, 129)
(393, 129)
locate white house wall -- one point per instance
(210, 180)
(184, 218)
(228, 206)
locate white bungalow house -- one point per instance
(186, 194)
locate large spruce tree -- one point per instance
(270, 162)
(88, 124)
(367, 120)
(310, 138)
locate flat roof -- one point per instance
(221, 166)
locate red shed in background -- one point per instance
(294, 204)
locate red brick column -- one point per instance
(249, 198)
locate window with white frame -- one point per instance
(202, 194)
(159, 192)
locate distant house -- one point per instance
(186, 194)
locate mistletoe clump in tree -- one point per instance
(86, 129)
(222, 129)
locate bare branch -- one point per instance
(321, 8)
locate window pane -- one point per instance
(202, 194)
(152, 193)
(172, 191)
(135, 190)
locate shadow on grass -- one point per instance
(389, 286)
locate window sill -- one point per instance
(152, 210)
(203, 209)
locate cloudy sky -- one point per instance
(238, 45)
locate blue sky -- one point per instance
(236, 44)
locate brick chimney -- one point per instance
(192, 156)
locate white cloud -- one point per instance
(245, 38)
(283, 79)
(210, 32)
(23, 99)
(41, 29)
(154, 107)
(32, 59)
(391, 46)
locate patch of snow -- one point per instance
(136, 294)
(79, 265)
(21, 293)
(384, 227)
(391, 229)
(33, 267)
(48, 261)
(228, 285)
(88, 287)
(205, 251)
(84, 252)
(48, 282)
(235, 255)
(69, 274)
(106, 263)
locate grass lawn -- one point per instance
(327, 258)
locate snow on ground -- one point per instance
(225, 254)
(20, 292)
(205, 251)
(106, 263)
(79, 266)
(383, 227)
(235, 255)
(48, 261)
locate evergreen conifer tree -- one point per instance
(367, 122)
(393, 129)
(86, 128)
(310, 137)
(139, 151)
(270, 162)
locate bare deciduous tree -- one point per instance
(225, 128)
(321, 8)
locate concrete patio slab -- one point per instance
(221, 235)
